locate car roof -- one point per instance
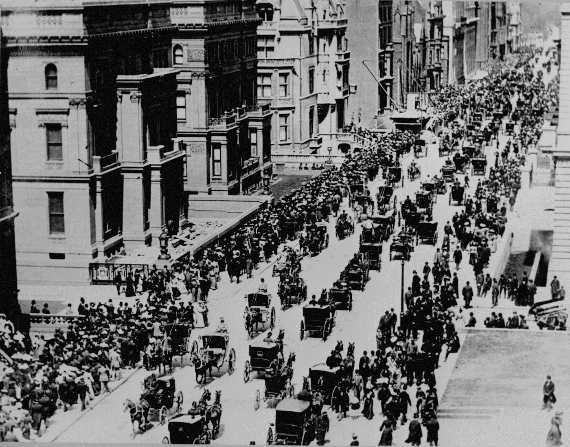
(293, 405)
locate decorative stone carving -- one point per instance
(197, 54)
(76, 102)
(136, 97)
(196, 148)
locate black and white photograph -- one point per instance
(285, 222)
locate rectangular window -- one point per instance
(265, 47)
(56, 217)
(283, 127)
(54, 146)
(264, 86)
(253, 142)
(283, 85)
(311, 121)
(311, 80)
(311, 45)
(217, 160)
(181, 106)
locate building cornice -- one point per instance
(134, 33)
(18, 41)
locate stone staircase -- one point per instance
(468, 413)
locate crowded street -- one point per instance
(246, 416)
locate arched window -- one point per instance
(178, 54)
(51, 77)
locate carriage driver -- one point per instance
(222, 327)
(262, 286)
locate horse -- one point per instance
(213, 413)
(138, 413)
(201, 368)
(203, 401)
(165, 355)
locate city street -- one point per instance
(241, 423)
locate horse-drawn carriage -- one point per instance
(448, 172)
(318, 238)
(414, 171)
(424, 203)
(420, 148)
(386, 224)
(344, 226)
(445, 148)
(188, 429)
(259, 313)
(363, 205)
(277, 380)
(427, 232)
(212, 350)
(402, 245)
(324, 380)
(456, 194)
(356, 273)
(340, 296)
(478, 166)
(294, 423)
(261, 354)
(394, 176)
(178, 336)
(287, 263)
(384, 197)
(460, 162)
(292, 290)
(318, 319)
(200, 425)
(161, 397)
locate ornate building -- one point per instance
(92, 107)
(8, 276)
(303, 74)
(226, 134)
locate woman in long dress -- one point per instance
(386, 432)
(554, 436)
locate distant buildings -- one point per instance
(423, 45)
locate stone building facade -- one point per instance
(92, 107)
(303, 62)
(226, 134)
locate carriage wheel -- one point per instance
(292, 390)
(257, 400)
(302, 331)
(179, 401)
(232, 361)
(272, 318)
(162, 415)
(165, 440)
(269, 439)
(350, 304)
(246, 371)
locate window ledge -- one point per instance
(57, 236)
(55, 162)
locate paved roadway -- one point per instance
(241, 423)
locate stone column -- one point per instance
(133, 209)
(99, 224)
(155, 213)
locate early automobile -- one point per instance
(259, 313)
(294, 423)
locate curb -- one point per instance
(82, 414)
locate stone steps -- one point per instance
(468, 413)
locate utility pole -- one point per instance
(396, 107)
